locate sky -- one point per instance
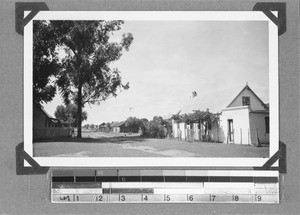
(168, 60)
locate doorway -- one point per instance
(230, 131)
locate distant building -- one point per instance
(45, 126)
(118, 127)
(104, 128)
(41, 119)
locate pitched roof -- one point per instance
(116, 124)
(215, 100)
(54, 120)
(248, 88)
(44, 111)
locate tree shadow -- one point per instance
(100, 140)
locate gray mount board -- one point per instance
(29, 194)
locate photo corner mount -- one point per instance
(33, 7)
(33, 169)
(268, 7)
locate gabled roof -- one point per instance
(248, 88)
(116, 124)
(54, 120)
(44, 111)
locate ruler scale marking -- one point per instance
(164, 186)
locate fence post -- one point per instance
(218, 132)
(249, 138)
(258, 142)
(241, 136)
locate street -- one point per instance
(99, 144)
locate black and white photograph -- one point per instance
(149, 107)
(158, 85)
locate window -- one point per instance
(267, 124)
(246, 101)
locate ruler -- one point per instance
(164, 186)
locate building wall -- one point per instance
(188, 132)
(241, 125)
(104, 129)
(247, 127)
(51, 132)
(196, 131)
(116, 129)
(182, 127)
(179, 130)
(255, 104)
(174, 129)
(39, 118)
(44, 128)
(192, 132)
(216, 133)
(258, 128)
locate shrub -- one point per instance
(154, 130)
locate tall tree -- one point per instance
(86, 76)
(45, 64)
(67, 115)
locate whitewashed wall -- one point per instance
(244, 134)
(197, 133)
(258, 128)
(241, 124)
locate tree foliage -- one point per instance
(133, 124)
(157, 128)
(85, 74)
(67, 115)
(206, 118)
(45, 62)
(89, 53)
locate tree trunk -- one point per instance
(79, 111)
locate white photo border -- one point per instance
(159, 16)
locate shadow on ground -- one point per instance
(116, 140)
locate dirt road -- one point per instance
(96, 144)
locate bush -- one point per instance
(207, 138)
(154, 130)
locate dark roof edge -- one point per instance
(248, 88)
(44, 111)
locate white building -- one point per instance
(244, 121)
(191, 132)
